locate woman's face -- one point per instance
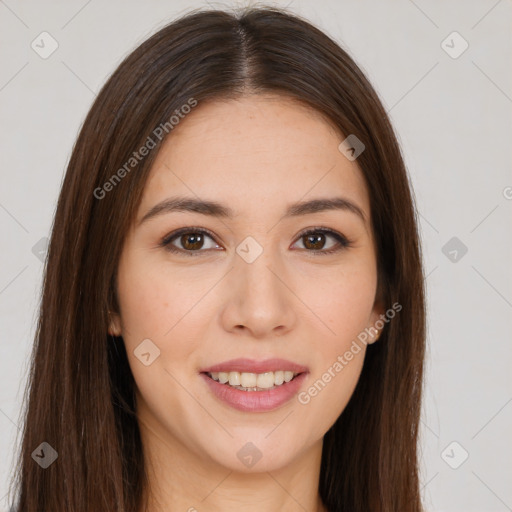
(253, 287)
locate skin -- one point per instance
(256, 155)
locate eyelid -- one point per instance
(187, 229)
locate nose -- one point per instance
(259, 300)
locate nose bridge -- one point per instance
(258, 299)
(253, 264)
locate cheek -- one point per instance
(156, 307)
(328, 391)
(153, 306)
(344, 306)
(343, 303)
(154, 302)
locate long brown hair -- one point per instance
(80, 392)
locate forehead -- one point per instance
(254, 151)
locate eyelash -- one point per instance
(343, 242)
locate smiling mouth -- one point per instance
(246, 381)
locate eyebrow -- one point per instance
(216, 209)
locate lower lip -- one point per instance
(255, 401)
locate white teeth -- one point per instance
(234, 378)
(253, 381)
(248, 380)
(288, 376)
(265, 380)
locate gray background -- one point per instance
(453, 118)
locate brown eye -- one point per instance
(189, 241)
(317, 241)
(192, 241)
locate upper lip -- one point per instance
(252, 366)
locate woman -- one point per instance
(233, 305)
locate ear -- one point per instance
(114, 326)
